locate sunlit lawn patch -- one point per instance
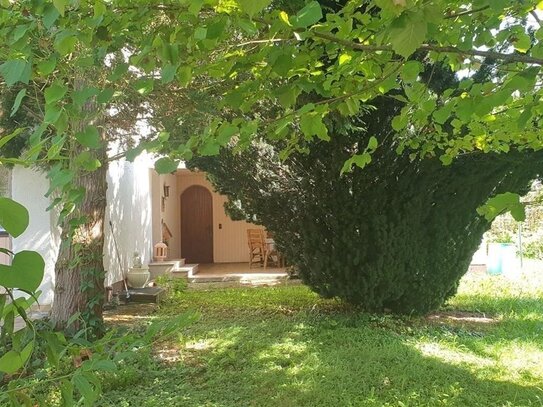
(284, 346)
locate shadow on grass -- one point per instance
(498, 320)
(312, 360)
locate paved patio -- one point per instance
(239, 273)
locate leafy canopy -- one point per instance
(274, 60)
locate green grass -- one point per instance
(287, 347)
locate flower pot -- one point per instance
(138, 277)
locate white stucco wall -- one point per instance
(130, 210)
(29, 188)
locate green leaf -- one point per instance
(11, 362)
(144, 86)
(408, 32)
(248, 26)
(52, 114)
(87, 161)
(103, 365)
(195, 6)
(105, 96)
(13, 217)
(502, 203)
(400, 122)
(16, 70)
(282, 64)
(166, 165)
(523, 42)
(8, 137)
(59, 179)
(210, 148)
(184, 74)
(48, 66)
(168, 73)
(82, 384)
(60, 5)
(119, 70)
(225, 133)
(446, 159)
(81, 96)
(67, 392)
(344, 59)
(25, 272)
(132, 153)
(287, 95)
(99, 8)
(411, 70)
(163, 136)
(50, 15)
(523, 81)
(443, 113)
(524, 117)
(311, 125)
(17, 103)
(394, 8)
(372, 144)
(200, 33)
(89, 137)
(360, 160)
(65, 42)
(253, 7)
(307, 16)
(55, 92)
(54, 347)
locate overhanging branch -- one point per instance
(429, 47)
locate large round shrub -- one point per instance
(397, 235)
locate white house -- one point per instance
(142, 205)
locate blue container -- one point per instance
(501, 258)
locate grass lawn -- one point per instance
(284, 346)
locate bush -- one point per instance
(174, 286)
(397, 235)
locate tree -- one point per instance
(302, 64)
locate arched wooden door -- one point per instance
(197, 225)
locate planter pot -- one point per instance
(138, 277)
(502, 258)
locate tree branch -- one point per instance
(466, 12)
(430, 47)
(536, 17)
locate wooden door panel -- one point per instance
(197, 225)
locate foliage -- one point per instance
(533, 250)
(397, 235)
(501, 203)
(175, 286)
(286, 72)
(24, 274)
(344, 54)
(35, 355)
(506, 229)
(502, 237)
(289, 347)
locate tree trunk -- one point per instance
(79, 270)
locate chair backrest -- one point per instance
(256, 238)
